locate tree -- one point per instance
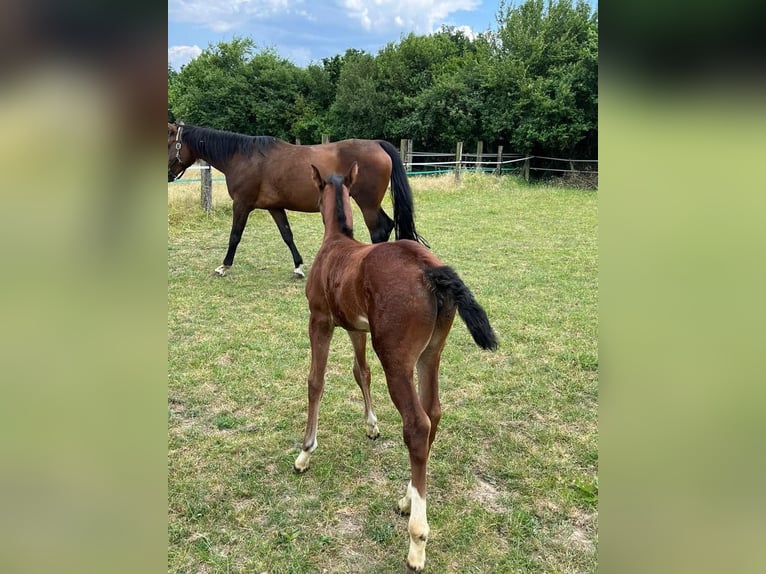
(274, 95)
(411, 67)
(172, 75)
(532, 86)
(312, 104)
(213, 90)
(357, 111)
(544, 77)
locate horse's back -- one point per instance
(394, 272)
(374, 165)
(403, 256)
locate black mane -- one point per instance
(337, 182)
(218, 146)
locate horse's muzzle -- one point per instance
(171, 177)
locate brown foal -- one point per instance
(406, 299)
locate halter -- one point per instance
(178, 150)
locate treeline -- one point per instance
(531, 86)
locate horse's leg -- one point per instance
(362, 376)
(280, 218)
(379, 224)
(376, 220)
(320, 334)
(416, 431)
(428, 372)
(239, 220)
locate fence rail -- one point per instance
(497, 163)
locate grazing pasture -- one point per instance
(513, 474)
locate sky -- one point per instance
(305, 31)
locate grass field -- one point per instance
(513, 475)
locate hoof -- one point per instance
(298, 273)
(297, 470)
(221, 270)
(375, 436)
(398, 510)
(411, 568)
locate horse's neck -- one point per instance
(201, 154)
(199, 150)
(332, 227)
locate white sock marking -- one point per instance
(418, 528)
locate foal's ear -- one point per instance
(317, 177)
(351, 177)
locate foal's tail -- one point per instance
(446, 284)
(404, 212)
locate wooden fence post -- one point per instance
(458, 160)
(525, 170)
(325, 138)
(498, 167)
(409, 154)
(297, 141)
(206, 187)
(479, 152)
(403, 152)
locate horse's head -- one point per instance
(179, 155)
(337, 206)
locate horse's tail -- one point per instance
(401, 194)
(447, 285)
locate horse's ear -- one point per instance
(351, 177)
(171, 129)
(317, 177)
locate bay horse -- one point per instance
(406, 298)
(260, 174)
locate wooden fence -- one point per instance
(459, 162)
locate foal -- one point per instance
(406, 299)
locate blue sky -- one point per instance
(305, 31)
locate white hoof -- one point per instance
(298, 273)
(221, 270)
(301, 463)
(373, 432)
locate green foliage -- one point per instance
(544, 77)
(358, 110)
(531, 85)
(213, 89)
(172, 75)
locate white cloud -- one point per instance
(420, 16)
(225, 15)
(467, 32)
(180, 55)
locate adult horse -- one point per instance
(406, 298)
(263, 172)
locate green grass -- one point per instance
(513, 483)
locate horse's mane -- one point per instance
(219, 145)
(345, 228)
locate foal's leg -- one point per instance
(362, 376)
(280, 218)
(428, 371)
(416, 430)
(320, 334)
(239, 220)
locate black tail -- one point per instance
(404, 212)
(448, 285)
